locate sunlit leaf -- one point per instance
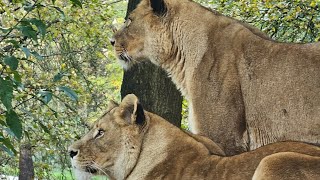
(46, 96)
(36, 55)
(26, 51)
(69, 92)
(14, 123)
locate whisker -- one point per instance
(95, 165)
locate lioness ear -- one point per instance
(159, 7)
(132, 110)
(112, 104)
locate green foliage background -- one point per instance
(57, 72)
(57, 68)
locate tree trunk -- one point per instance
(153, 87)
(25, 163)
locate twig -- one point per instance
(5, 36)
(22, 102)
(114, 2)
(66, 104)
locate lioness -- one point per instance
(244, 89)
(130, 143)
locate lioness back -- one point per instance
(244, 90)
(296, 166)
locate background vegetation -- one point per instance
(57, 68)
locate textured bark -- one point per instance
(25, 163)
(153, 87)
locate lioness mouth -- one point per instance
(90, 169)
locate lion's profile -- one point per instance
(130, 143)
(244, 89)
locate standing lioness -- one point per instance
(130, 143)
(244, 89)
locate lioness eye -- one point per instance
(100, 133)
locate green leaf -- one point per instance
(17, 76)
(58, 77)
(6, 93)
(12, 62)
(4, 30)
(46, 96)
(27, 30)
(14, 123)
(28, 6)
(39, 24)
(26, 51)
(7, 149)
(44, 128)
(69, 92)
(76, 3)
(13, 42)
(61, 12)
(2, 123)
(36, 55)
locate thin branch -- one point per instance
(114, 2)
(43, 103)
(22, 102)
(60, 54)
(66, 104)
(5, 36)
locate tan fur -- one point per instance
(155, 149)
(244, 89)
(294, 164)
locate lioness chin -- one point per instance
(244, 89)
(130, 143)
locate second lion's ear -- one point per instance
(133, 111)
(159, 7)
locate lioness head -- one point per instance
(114, 140)
(145, 34)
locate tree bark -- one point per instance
(153, 87)
(26, 163)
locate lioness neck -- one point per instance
(167, 152)
(196, 41)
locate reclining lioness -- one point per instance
(130, 143)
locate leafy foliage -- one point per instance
(57, 71)
(286, 20)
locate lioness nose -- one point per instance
(73, 153)
(112, 41)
